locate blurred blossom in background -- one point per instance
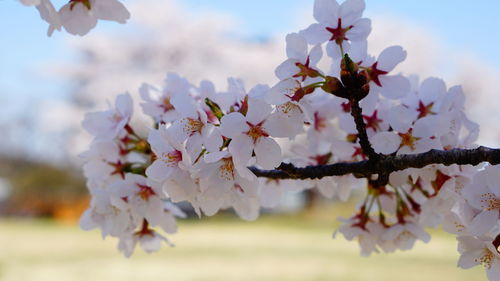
(47, 84)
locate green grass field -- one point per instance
(272, 248)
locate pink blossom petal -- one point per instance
(185, 105)
(493, 272)
(268, 153)
(315, 54)
(76, 19)
(159, 171)
(296, 46)
(333, 50)
(212, 138)
(215, 156)
(394, 86)
(241, 148)
(286, 69)
(483, 222)
(326, 11)
(258, 111)
(431, 89)
(359, 51)
(385, 142)
(285, 125)
(112, 10)
(316, 34)
(390, 57)
(401, 118)
(158, 143)
(246, 207)
(233, 125)
(360, 30)
(350, 11)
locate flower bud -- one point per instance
(362, 92)
(362, 78)
(347, 79)
(214, 107)
(334, 86)
(352, 138)
(348, 65)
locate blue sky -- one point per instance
(464, 25)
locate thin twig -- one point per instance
(357, 114)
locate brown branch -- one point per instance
(357, 114)
(385, 165)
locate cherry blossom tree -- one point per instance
(405, 142)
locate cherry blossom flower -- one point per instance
(158, 103)
(243, 198)
(251, 133)
(106, 125)
(459, 219)
(78, 17)
(322, 118)
(194, 127)
(368, 236)
(172, 159)
(403, 236)
(183, 188)
(106, 216)
(300, 63)
(480, 250)
(391, 86)
(338, 24)
(224, 182)
(483, 193)
(103, 163)
(290, 98)
(233, 97)
(139, 197)
(149, 240)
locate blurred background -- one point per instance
(47, 85)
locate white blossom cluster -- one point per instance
(202, 141)
(78, 17)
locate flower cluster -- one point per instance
(204, 146)
(125, 204)
(78, 17)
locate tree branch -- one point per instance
(385, 165)
(357, 114)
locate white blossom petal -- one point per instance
(390, 57)
(316, 34)
(296, 46)
(233, 125)
(258, 111)
(268, 153)
(394, 86)
(326, 11)
(385, 142)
